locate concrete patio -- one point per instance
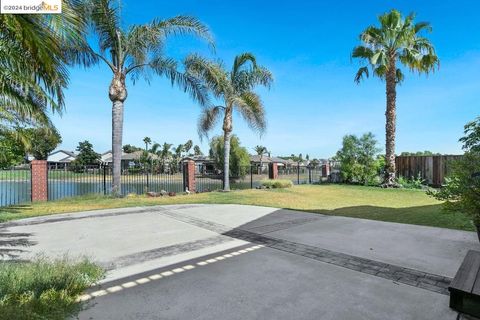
(245, 262)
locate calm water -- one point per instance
(18, 192)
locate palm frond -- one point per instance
(210, 73)
(105, 22)
(250, 106)
(360, 73)
(208, 119)
(183, 25)
(241, 60)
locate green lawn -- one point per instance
(394, 205)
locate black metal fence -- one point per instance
(301, 174)
(79, 181)
(15, 186)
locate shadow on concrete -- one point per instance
(12, 244)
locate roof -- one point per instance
(136, 155)
(70, 153)
(200, 158)
(61, 156)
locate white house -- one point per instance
(61, 158)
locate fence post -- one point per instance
(251, 176)
(273, 170)
(326, 170)
(298, 173)
(105, 180)
(39, 180)
(148, 186)
(309, 175)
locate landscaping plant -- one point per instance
(358, 159)
(277, 183)
(45, 289)
(461, 191)
(239, 164)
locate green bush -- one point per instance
(44, 289)
(359, 163)
(277, 183)
(414, 183)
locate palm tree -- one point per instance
(397, 39)
(235, 89)
(147, 141)
(261, 151)
(138, 52)
(35, 51)
(163, 152)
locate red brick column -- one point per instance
(39, 180)
(326, 170)
(190, 175)
(273, 170)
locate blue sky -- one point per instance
(314, 101)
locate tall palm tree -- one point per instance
(396, 40)
(234, 89)
(35, 51)
(137, 52)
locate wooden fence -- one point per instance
(432, 169)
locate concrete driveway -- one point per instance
(245, 262)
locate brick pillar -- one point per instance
(273, 170)
(326, 170)
(190, 175)
(39, 180)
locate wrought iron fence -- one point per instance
(84, 180)
(301, 174)
(15, 186)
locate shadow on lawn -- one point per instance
(428, 215)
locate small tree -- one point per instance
(187, 147)
(358, 163)
(461, 191)
(197, 151)
(128, 148)
(42, 141)
(86, 154)
(239, 159)
(12, 151)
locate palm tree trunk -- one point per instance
(117, 134)
(227, 134)
(117, 94)
(390, 126)
(226, 160)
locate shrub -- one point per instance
(277, 183)
(358, 161)
(462, 187)
(44, 289)
(414, 183)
